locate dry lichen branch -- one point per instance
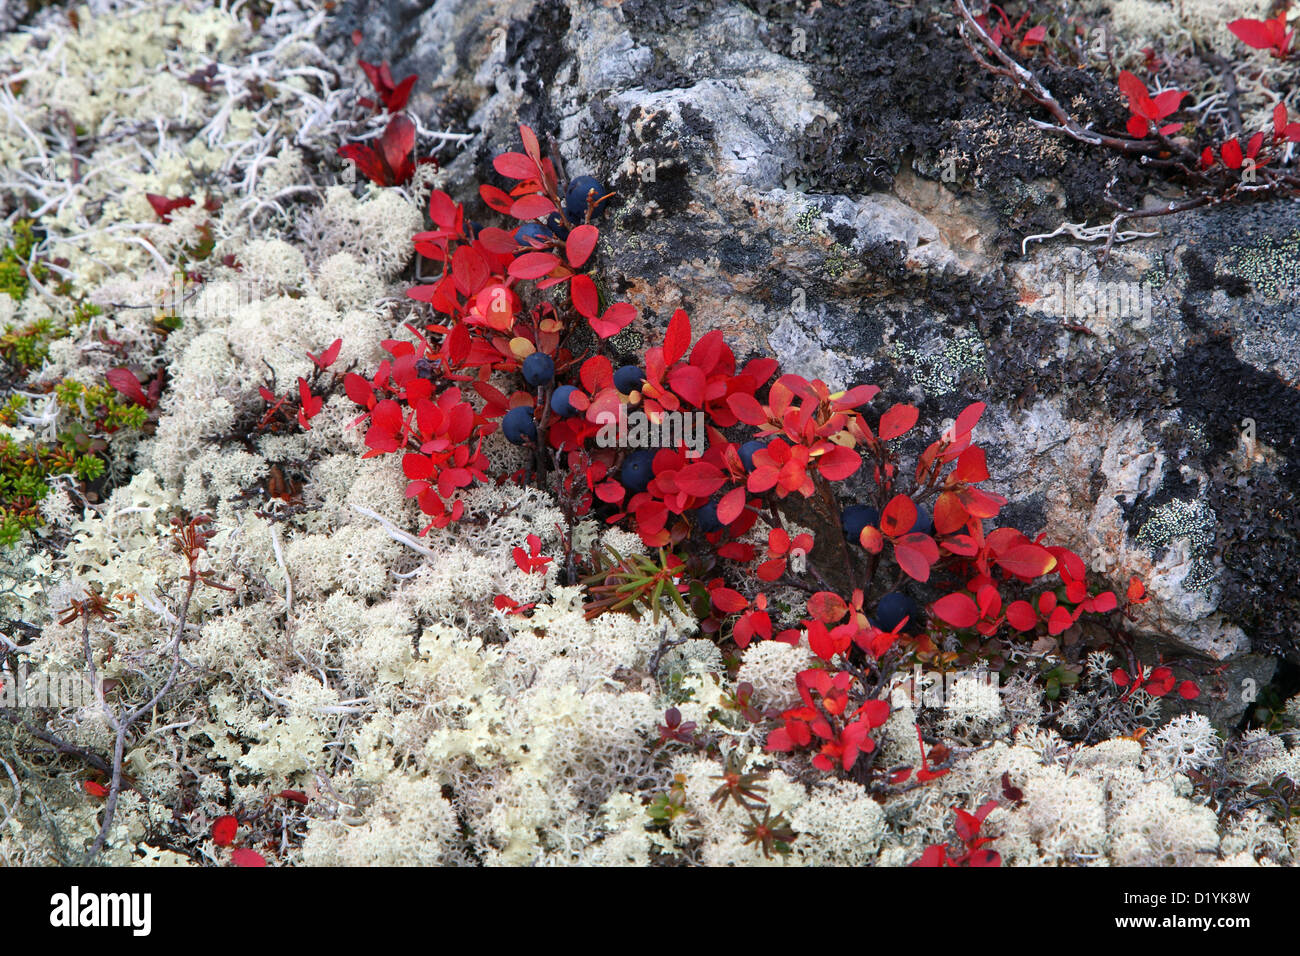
(191, 540)
(1157, 151)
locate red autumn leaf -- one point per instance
(678, 337)
(728, 601)
(1188, 691)
(897, 421)
(916, 554)
(613, 320)
(496, 199)
(871, 539)
(242, 857)
(164, 207)
(838, 463)
(899, 516)
(223, 830)
(1059, 620)
(581, 241)
(827, 607)
(1021, 616)
(968, 418)
(515, 166)
(700, 479)
(326, 358)
(746, 408)
(94, 789)
(533, 265)
(532, 206)
(1231, 153)
(123, 380)
(731, 505)
(297, 796)
(1105, 601)
(1159, 682)
(1026, 560)
(586, 300)
(956, 609)
(689, 382)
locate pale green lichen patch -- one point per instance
(1192, 520)
(940, 372)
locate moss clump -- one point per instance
(14, 259)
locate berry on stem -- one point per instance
(560, 404)
(539, 368)
(638, 469)
(518, 425)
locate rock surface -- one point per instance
(837, 184)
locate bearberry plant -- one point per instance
(799, 488)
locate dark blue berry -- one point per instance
(747, 452)
(560, 401)
(628, 379)
(518, 425)
(856, 517)
(706, 516)
(531, 230)
(638, 469)
(924, 523)
(575, 200)
(539, 368)
(893, 607)
(555, 223)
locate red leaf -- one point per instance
(678, 337)
(297, 796)
(731, 505)
(533, 265)
(897, 421)
(496, 199)
(700, 479)
(94, 789)
(586, 300)
(242, 857)
(516, 166)
(968, 418)
(581, 241)
(532, 206)
(728, 601)
(689, 382)
(1026, 561)
(899, 516)
(614, 320)
(839, 463)
(1139, 100)
(1167, 102)
(746, 407)
(915, 554)
(1231, 153)
(223, 830)
(326, 358)
(124, 381)
(1253, 33)
(1188, 691)
(827, 607)
(956, 609)
(1021, 616)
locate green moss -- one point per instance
(14, 258)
